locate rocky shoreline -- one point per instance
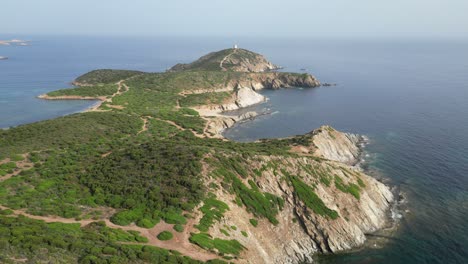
(347, 150)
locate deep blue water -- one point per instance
(409, 97)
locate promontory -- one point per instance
(147, 177)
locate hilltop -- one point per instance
(147, 177)
(238, 60)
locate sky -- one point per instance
(273, 18)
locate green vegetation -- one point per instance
(165, 235)
(179, 228)
(223, 247)
(224, 231)
(361, 183)
(209, 62)
(307, 195)
(56, 242)
(88, 164)
(162, 176)
(351, 188)
(65, 132)
(105, 76)
(254, 222)
(86, 91)
(212, 210)
(204, 99)
(259, 203)
(16, 158)
(6, 168)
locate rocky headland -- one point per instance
(281, 200)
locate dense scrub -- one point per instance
(65, 131)
(21, 237)
(87, 91)
(147, 179)
(105, 76)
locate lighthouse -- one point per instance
(235, 46)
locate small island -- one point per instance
(3, 58)
(146, 175)
(16, 42)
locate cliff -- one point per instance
(301, 230)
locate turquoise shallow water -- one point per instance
(409, 97)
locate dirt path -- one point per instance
(180, 242)
(171, 123)
(224, 59)
(145, 124)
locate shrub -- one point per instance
(213, 210)
(307, 195)
(254, 222)
(232, 247)
(179, 228)
(165, 235)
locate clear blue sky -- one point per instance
(324, 18)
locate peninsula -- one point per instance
(147, 177)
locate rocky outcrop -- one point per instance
(218, 124)
(241, 60)
(301, 232)
(276, 80)
(246, 96)
(333, 145)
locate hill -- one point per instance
(238, 60)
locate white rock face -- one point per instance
(247, 97)
(337, 146)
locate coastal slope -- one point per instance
(146, 176)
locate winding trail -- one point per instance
(144, 127)
(180, 242)
(224, 59)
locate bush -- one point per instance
(231, 247)
(179, 228)
(254, 222)
(165, 235)
(213, 210)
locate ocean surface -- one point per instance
(410, 97)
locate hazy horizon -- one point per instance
(242, 18)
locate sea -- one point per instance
(408, 96)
